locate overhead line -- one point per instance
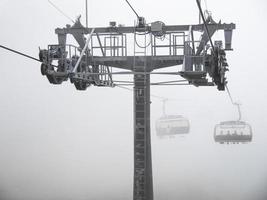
(132, 8)
(206, 5)
(59, 10)
(230, 96)
(205, 24)
(86, 12)
(20, 53)
(23, 54)
(123, 86)
(169, 84)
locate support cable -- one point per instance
(234, 103)
(205, 24)
(129, 89)
(132, 9)
(206, 4)
(229, 94)
(23, 54)
(86, 12)
(161, 98)
(59, 10)
(136, 73)
(20, 53)
(169, 84)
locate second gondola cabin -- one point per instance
(170, 125)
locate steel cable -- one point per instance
(59, 10)
(22, 54)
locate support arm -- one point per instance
(83, 51)
(131, 29)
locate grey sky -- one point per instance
(58, 143)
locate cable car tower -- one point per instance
(84, 67)
(101, 49)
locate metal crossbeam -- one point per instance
(126, 62)
(132, 29)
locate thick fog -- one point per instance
(57, 143)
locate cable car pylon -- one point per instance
(91, 63)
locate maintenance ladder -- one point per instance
(143, 182)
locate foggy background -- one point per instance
(57, 143)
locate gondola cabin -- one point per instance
(171, 125)
(233, 132)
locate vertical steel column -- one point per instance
(143, 180)
(86, 12)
